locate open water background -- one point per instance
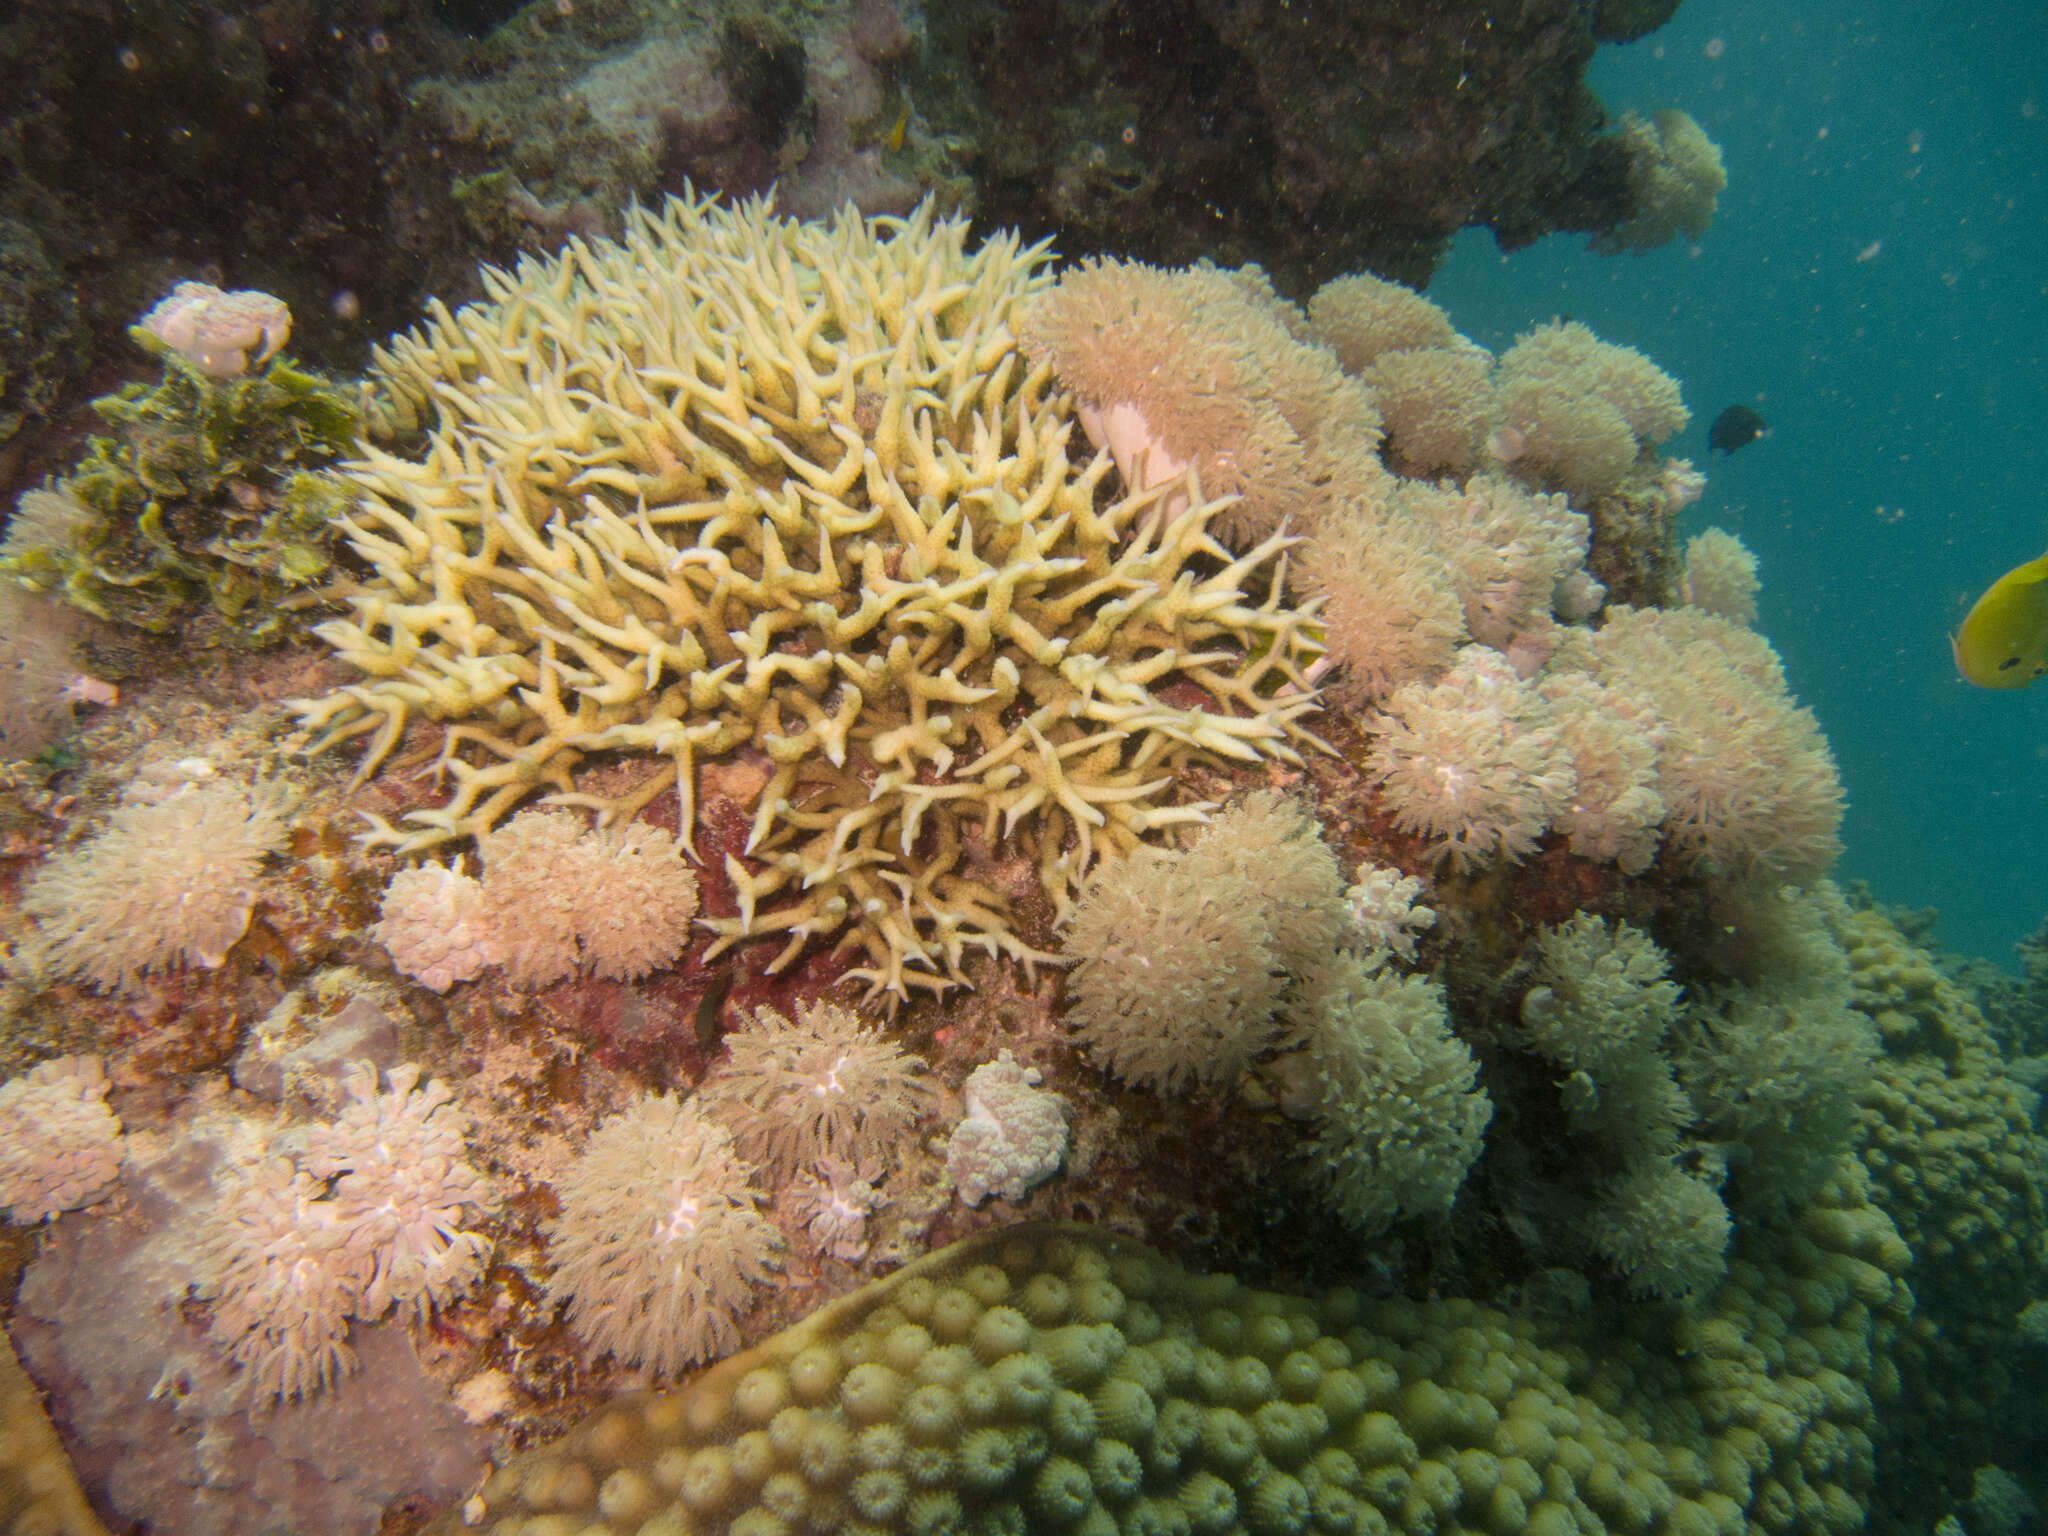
(1876, 284)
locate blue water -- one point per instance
(1876, 284)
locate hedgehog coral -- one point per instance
(1171, 984)
(1513, 554)
(1472, 762)
(1390, 614)
(367, 1212)
(1720, 576)
(1665, 1229)
(165, 884)
(1675, 177)
(1181, 958)
(1613, 738)
(742, 482)
(284, 1273)
(60, 1146)
(658, 1243)
(433, 923)
(1014, 1134)
(1382, 907)
(1436, 407)
(824, 1085)
(832, 1205)
(1746, 777)
(1361, 318)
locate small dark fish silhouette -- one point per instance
(1735, 427)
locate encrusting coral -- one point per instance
(747, 483)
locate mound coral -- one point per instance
(747, 483)
(167, 883)
(1014, 1134)
(1055, 1377)
(824, 1085)
(1472, 762)
(1208, 369)
(658, 1243)
(60, 1146)
(221, 334)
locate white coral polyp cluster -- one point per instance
(1014, 1134)
(372, 1210)
(60, 1145)
(1385, 912)
(825, 1085)
(166, 884)
(556, 896)
(741, 483)
(659, 1243)
(1472, 762)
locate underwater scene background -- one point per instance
(1118, 768)
(1873, 285)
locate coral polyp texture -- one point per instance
(825, 1085)
(60, 1146)
(740, 483)
(168, 883)
(1038, 1378)
(371, 1210)
(659, 1243)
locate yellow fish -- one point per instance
(2003, 642)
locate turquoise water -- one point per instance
(1876, 284)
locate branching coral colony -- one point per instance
(744, 482)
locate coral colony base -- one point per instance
(1257, 780)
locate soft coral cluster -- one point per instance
(370, 1211)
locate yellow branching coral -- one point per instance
(741, 482)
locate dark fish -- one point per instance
(1735, 427)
